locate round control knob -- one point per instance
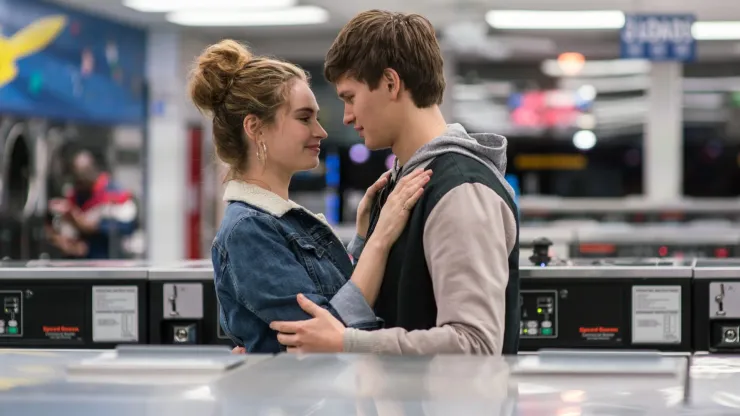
(181, 335)
(541, 251)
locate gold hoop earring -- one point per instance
(262, 156)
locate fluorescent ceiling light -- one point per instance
(163, 6)
(716, 30)
(301, 15)
(606, 68)
(555, 20)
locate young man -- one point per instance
(451, 283)
(95, 212)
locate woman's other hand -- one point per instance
(397, 208)
(366, 204)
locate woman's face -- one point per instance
(293, 141)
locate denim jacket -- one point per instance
(268, 250)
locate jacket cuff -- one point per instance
(356, 246)
(351, 306)
(359, 341)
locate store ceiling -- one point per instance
(312, 40)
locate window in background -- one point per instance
(612, 168)
(572, 136)
(711, 161)
(359, 169)
(711, 130)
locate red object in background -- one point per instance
(535, 111)
(721, 253)
(597, 248)
(194, 206)
(663, 251)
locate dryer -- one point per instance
(23, 166)
(31, 172)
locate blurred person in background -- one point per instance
(95, 214)
(451, 282)
(268, 249)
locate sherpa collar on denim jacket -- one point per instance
(263, 199)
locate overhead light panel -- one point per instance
(716, 30)
(164, 6)
(555, 20)
(300, 15)
(607, 68)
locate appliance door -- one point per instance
(20, 179)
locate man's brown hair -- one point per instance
(375, 40)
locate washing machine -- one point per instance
(33, 169)
(640, 304)
(72, 306)
(717, 305)
(184, 308)
(24, 154)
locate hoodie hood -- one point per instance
(486, 148)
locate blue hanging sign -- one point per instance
(657, 37)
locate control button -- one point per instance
(533, 331)
(12, 323)
(532, 324)
(2, 329)
(12, 330)
(546, 331)
(2, 323)
(546, 324)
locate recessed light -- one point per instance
(300, 15)
(164, 6)
(555, 20)
(584, 139)
(716, 30)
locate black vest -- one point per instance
(406, 297)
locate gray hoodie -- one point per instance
(486, 148)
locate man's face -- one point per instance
(84, 173)
(82, 181)
(370, 112)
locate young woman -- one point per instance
(269, 249)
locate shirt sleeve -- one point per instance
(468, 237)
(118, 218)
(267, 277)
(355, 247)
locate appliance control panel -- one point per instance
(539, 314)
(11, 314)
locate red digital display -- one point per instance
(721, 253)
